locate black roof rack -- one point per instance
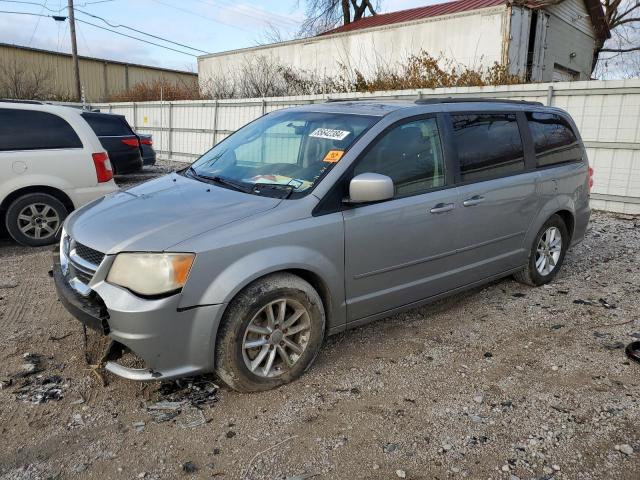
(31, 102)
(428, 101)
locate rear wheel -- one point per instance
(270, 334)
(546, 254)
(35, 219)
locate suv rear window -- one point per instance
(34, 130)
(553, 139)
(489, 145)
(106, 125)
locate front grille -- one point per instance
(89, 254)
(79, 274)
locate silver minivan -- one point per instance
(315, 219)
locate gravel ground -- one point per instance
(504, 382)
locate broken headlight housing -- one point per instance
(151, 274)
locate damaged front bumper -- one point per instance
(172, 341)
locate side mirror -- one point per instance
(370, 187)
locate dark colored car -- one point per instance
(148, 153)
(119, 139)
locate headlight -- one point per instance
(65, 240)
(150, 274)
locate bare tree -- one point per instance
(323, 15)
(623, 18)
(20, 82)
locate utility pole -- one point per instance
(74, 50)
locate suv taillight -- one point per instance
(103, 167)
(146, 141)
(132, 142)
(590, 178)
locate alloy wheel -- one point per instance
(38, 221)
(548, 251)
(276, 337)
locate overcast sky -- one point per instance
(208, 25)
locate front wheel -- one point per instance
(35, 219)
(270, 333)
(546, 254)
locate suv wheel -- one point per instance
(546, 254)
(270, 333)
(35, 219)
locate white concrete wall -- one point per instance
(469, 38)
(607, 114)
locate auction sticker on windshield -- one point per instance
(329, 133)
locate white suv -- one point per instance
(51, 162)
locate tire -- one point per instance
(47, 214)
(246, 321)
(532, 274)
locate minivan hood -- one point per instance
(160, 213)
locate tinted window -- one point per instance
(553, 139)
(105, 125)
(33, 130)
(489, 145)
(410, 154)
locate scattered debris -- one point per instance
(625, 448)
(198, 391)
(606, 304)
(189, 467)
(53, 338)
(579, 301)
(8, 284)
(33, 364)
(401, 474)
(519, 295)
(186, 396)
(633, 351)
(40, 390)
(139, 426)
(488, 354)
(613, 345)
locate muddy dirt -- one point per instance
(505, 381)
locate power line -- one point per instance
(134, 38)
(254, 13)
(35, 29)
(104, 28)
(139, 31)
(24, 2)
(200, 16)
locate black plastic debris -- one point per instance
(33, 364)
(518, 295)
(186, 396)
(40, 390)
(633, 351)
(579, 301)
(189, 467)
(197, 391)
(606, 304)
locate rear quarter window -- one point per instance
(34, 130)
(554, 140)
(105, 125)
(489, 145)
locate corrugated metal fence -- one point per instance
(606, 112)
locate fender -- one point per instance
(550, 208)
(237, 275)
(32, 180)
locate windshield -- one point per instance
(286, 151)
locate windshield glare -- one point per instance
(285, 148)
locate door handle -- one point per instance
(475, 200)
(442, 207)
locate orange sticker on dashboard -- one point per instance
(333, 156)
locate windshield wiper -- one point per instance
(279, 187)
(239, 186)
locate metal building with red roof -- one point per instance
(539, 40)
